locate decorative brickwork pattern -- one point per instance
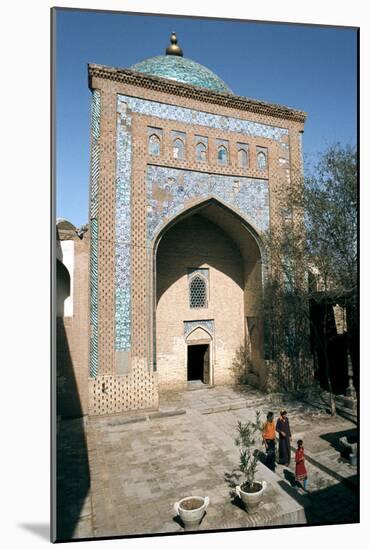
(156, 84)
(94, 201)
(106, 217)
(110, 394)
(139, 267)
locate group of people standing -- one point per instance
(282, 428)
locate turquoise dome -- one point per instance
(181, 69)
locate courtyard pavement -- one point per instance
(140, 464)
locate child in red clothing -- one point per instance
(301, 473)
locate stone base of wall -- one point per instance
(110, 394)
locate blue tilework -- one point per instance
(250, 196)
(182, 69)
(94, 311)
(191, 116)
(123, 231)
(95, 153)
(94, 202)
(206, 323)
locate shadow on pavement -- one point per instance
(232, 479)
(330, 505)
(334, 437)
(72, 469)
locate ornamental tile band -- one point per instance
(95, 152)
(123, 231)
(207, 324)
(94, 313)
(204, 271)
(192, 116)
(94, 200)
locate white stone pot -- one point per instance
(251, 500)
(191, 518)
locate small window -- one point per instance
(222, 155)
(242, 158)
(154, 145)
(201, 152)
(262, 161)
(178, 149)
(198, 292)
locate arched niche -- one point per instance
(63, 288)
(208, 236)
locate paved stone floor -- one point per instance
(140, 464)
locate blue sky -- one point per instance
(303, 66)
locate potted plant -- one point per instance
(251, 490)
(191, 510)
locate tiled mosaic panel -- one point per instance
(123, 231)
(249, 196)
(191, 116)
(207, 324)
(94, 201)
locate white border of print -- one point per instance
(25, 353)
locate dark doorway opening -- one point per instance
(198, 363)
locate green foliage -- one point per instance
(312, 259)
(330, 206)
(246, 438)
(241, 365)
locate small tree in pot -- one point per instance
(251, 490)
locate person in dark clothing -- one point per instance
(269, 441)
(284, 448)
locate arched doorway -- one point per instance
(208, 275)
(199, 356)
(62, 288)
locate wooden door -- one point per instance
(206, 372)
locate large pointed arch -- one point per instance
(241, 231)
(196, 207)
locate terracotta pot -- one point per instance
(191, 517)
(251, 500)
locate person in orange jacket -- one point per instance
(269, 440)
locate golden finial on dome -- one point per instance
(174, 49)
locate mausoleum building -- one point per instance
(186, 178)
